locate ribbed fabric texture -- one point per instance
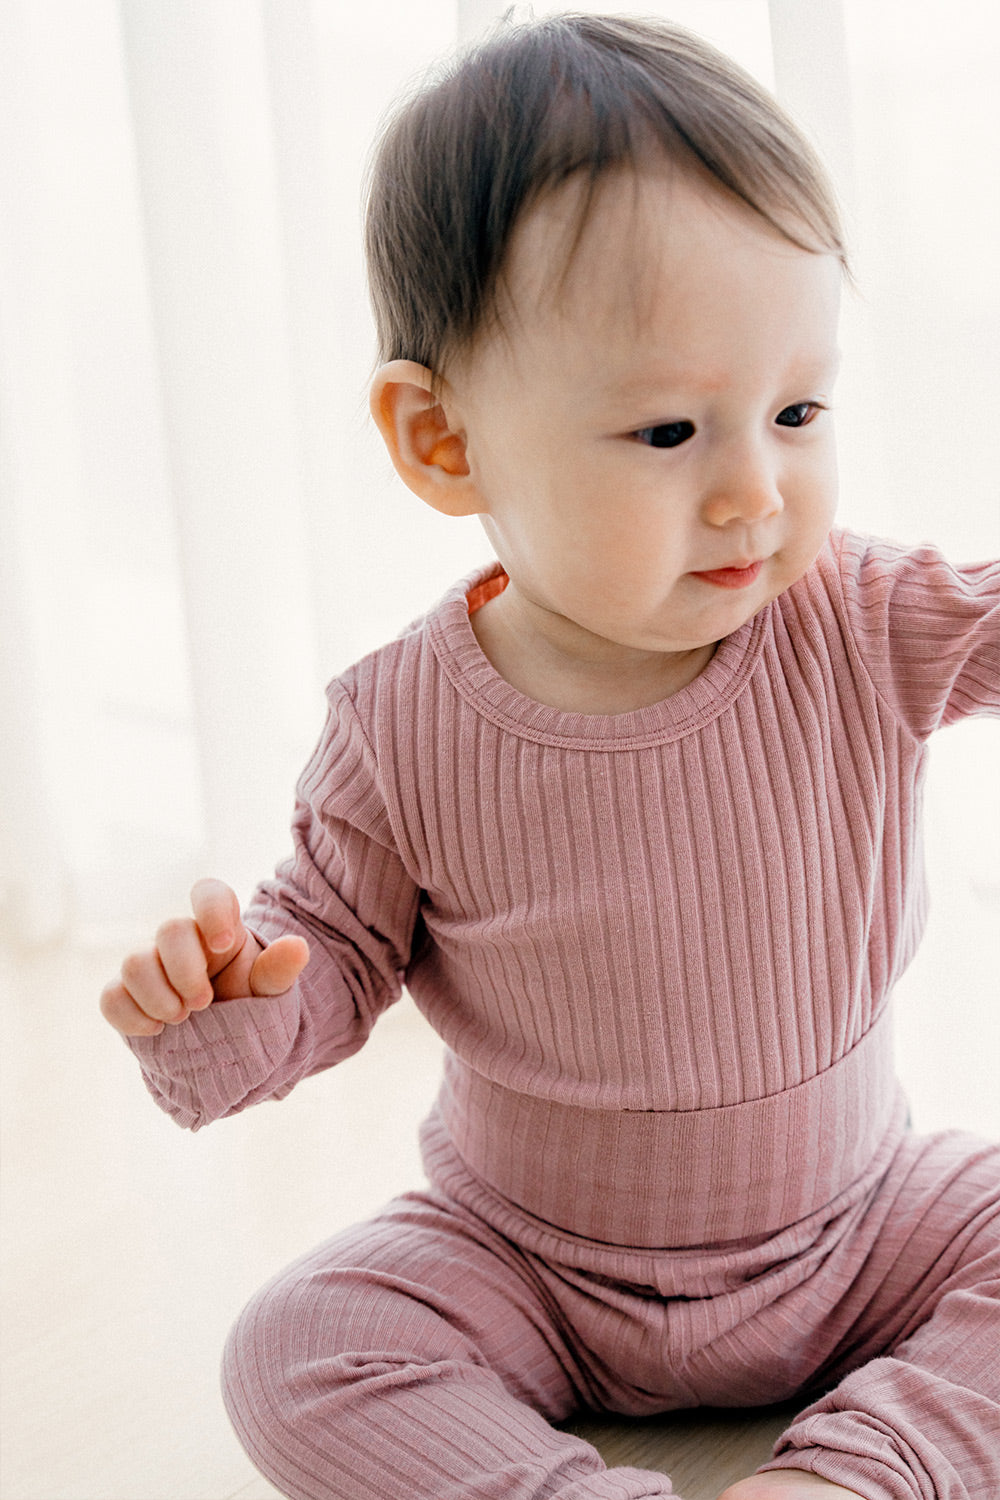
(414, 1355)
(684, 910)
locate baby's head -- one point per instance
(605, 270)
(538, 105)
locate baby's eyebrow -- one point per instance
(657, 382)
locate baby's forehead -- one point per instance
(650, 284)
(580, 252)
(607, 250)
(566, 229)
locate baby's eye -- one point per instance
(799, 415)
(666, 434)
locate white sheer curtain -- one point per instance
(198, 528)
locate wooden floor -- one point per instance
(129, 1245)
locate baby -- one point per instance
(633, 814)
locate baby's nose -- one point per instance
(748, 493)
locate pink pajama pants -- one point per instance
(428, 1352)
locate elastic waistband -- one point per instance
(645, 1178)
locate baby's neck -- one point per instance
(574, 681)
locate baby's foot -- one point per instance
(788, 1484)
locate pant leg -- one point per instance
(914, 1412)
(415, 1356)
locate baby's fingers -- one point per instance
(217, 912)
(181, 953)
(277, 968)
(145, 981)
(118, 1007)
(142, 1000)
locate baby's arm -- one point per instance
(196, 960)
(322, 951)
(928, 631)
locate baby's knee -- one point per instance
(309, 1350)
(258, 1376)
(289, 1383)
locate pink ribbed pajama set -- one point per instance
(669, 1162)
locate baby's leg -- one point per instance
(412, 1357)
(916, 1413)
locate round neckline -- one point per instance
(473, 675)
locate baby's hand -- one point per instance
(195, 960)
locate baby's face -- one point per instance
(651, 439)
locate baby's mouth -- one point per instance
(736, 576)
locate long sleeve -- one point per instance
(347, 893)
(928, 631)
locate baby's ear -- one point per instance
(428, 453)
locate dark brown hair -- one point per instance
(534, 105)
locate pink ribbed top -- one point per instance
(659, 945)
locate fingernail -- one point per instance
(221, 943)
